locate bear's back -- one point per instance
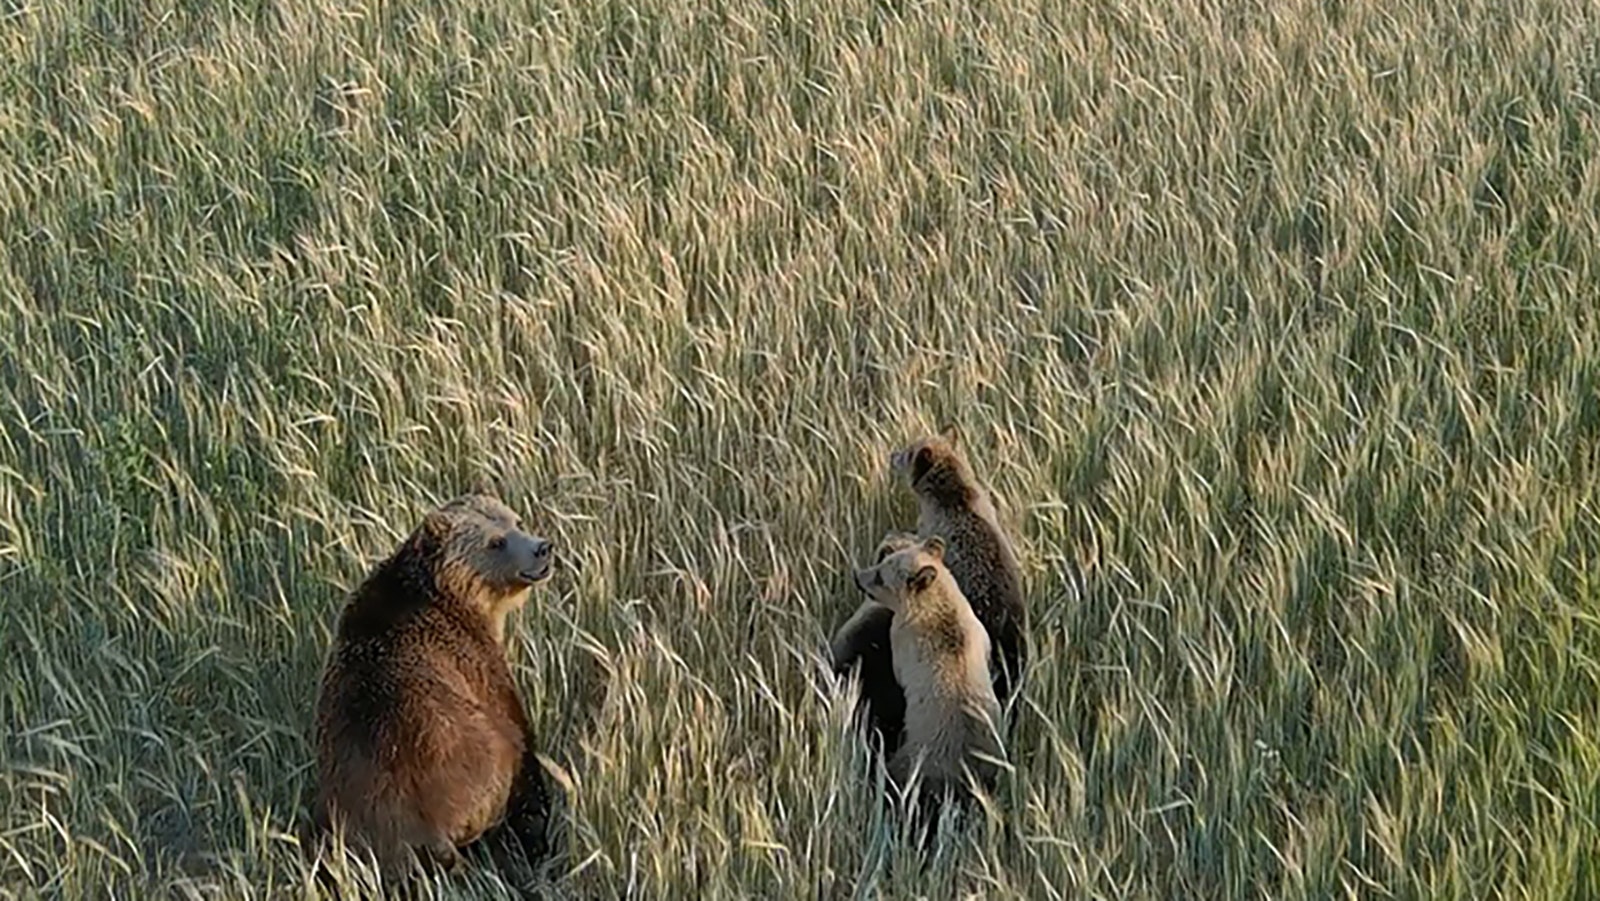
(981, 560)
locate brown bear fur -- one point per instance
(954, 506)
(941, 660)
(422, 740)
(864, 640)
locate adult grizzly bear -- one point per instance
(422, 744)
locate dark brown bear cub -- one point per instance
(422, 741)
(953, 505)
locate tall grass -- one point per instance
(1276, 327)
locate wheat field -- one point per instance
(1275, 327)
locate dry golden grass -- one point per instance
(1275, 325)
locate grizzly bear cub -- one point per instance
(954, 506)
(941, 661)
(422, 741)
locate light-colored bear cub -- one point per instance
(941, 660)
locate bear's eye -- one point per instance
(498, 543)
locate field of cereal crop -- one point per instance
(1274, 325)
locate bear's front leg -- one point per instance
(520, 843)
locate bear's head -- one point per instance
(481, 555)
(900, 577)
(934, 467)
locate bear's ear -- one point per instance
(922, 579)
(483, 485)
(921, 463)
(951, 433)
(895, 541)
(934, 546)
